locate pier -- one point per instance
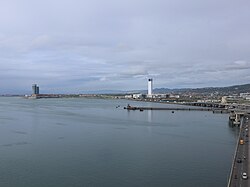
(177, 108)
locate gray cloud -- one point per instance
(72, 46)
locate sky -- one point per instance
(74, 46)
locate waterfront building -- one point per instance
(35, 89)
(159, 96)
(150, 87)
(129, 96)
(139, 96)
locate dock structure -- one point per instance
(207, 104)
(241, 162)
(236, 116)
(43, 96)
(177, 108)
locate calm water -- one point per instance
(90, 142)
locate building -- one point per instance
(174, 96)
(245, 95)
(159, 96)
(224, 100)
(139, 96)
(150, 87)
(129, 96)
(35, 89)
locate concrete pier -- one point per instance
(173, 109)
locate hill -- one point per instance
(236, 89)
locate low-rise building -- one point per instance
(128, 96)
(245, 95)
(137, 96)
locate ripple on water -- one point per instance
(13, 144)
(61, 124)
(19, 132)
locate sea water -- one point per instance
(78, 142)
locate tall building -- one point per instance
(35, 89)
(150, 86)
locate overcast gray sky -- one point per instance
(71, 46)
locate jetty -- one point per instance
(176, 108)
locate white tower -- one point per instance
(150, 86)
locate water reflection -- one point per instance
(150, 112)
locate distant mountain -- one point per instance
(236, 89)
(162, 90)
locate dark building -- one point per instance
(35, 89)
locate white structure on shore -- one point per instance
(150, 87)
(150, 95)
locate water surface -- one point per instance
(93, 142)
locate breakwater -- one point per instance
(176, 108)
